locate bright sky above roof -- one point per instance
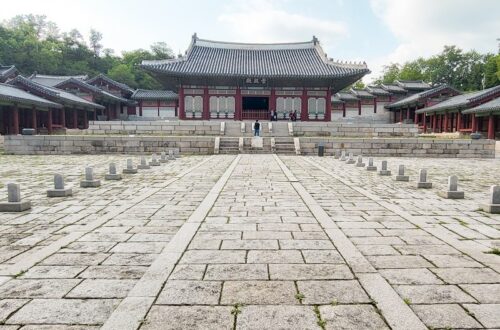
(376, 31)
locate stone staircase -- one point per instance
(229, 145)
(284, 146)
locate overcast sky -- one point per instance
(376, 31)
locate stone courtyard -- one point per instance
(249, 242)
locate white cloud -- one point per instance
(424, 27)
(264, 21)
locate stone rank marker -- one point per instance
(112, 175)
(452, 192)
(171, 155)
(90, 181)
(351, 159)
(401, 174)
(370, 166)
(493, 205)
(59, 190)
(384, 171)
(14, 203)
(143, 165)
(342, 156)
(359, 162)
(337, 154)
(130, 168)
(422, 180)
(163, 157)
(154, 161)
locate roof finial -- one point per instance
(195, 36)
(315, 40)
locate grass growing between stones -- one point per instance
(495, 251)
(407, 301)
(321, 322)
(300, 297)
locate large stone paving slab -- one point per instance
(251, 242)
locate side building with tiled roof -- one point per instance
(154, 104)
(248, 81)
(8, 72)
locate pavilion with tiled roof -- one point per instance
(406, 109)
(453, 114)
(156, 103)
(71, 103)
(51, 80)
(247, 81)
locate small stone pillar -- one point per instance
(130, 168)
(154, 160)
(90, 181)
(14, 203)
(370, 166)
(337, 154)
(359, 162)
(401, 174)
(342, 156)
(384, 171)
(143, 165)
(59, 190)
(171, 155)
(493, 205)
(163, 157)
(452, 192)
(112, 175)
(350, 160)
(422, 180)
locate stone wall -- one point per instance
(233, 128)
(80, 144)
(422, 147)
(410, 147)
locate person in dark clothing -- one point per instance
(256, 128)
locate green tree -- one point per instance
(492, 71)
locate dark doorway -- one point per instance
(255, 107)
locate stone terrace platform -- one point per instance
(249, 242)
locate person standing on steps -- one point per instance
(256, 128)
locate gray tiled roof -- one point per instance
(110, 81)
(7, 69)
(60, 95)
(413, 84)
(344, 96)
(145, 94)
(461, 101)
(94, 89)
(377, 90)
(51, 81)
(212, 58)
(13, 94)
(336, 99)
(418, 97)
(361, 93)
(394, 88)
(491, 106)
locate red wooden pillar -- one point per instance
(15, 120)
(328, 114)
(33, 119)
(424, 115)
(474, 123)
(401, 115)
(416, 118)
(459, 121)
(445, 128)
(375, 105)
(359, 107)
(491, 127)
(238, 105)
(434, 123)
(85, 119)
(63, 117)
(75, 119)
(182, 112)
(206, 111)
(304, 114)
(272, 100)
(49, 121)
(95, 114)
(408, 113)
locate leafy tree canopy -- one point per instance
(34, 44)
